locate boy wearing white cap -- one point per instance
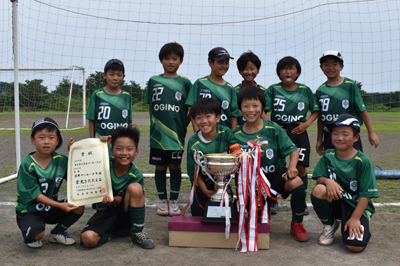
(339, 95)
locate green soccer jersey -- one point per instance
(278, 148)
(342, 99)
(241, 120)
(120, 183)
(33, 180)
(109, 111)
(167, 97)
(356, 177)
(205, 88)
(288, 107)
(220, 144)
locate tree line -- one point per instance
(34, 96)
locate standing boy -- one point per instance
(339, 95)
(210, 138)
(125, 214)
(214, 86)
(251, 101)
(289, 103)
(40, 177)
(345, 185)
(110, 107)
(248, 65)
(166, 96)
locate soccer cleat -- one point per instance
(61, 238)
(328, 232)
(300, 234)
(306, 211)
(35, 244)
(143, 240)
(173, 208)
(162, 207)
(274, 207)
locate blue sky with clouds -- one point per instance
(87, 33)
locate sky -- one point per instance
(61, 33)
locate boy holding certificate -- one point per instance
(124, 215)
(40, 177)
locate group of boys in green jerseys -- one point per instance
(222, 117)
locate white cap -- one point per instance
(331, 53)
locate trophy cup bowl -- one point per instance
(220, 165)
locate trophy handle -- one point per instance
(198, 156)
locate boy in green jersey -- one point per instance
(345, 185)
(289, 103)
(210, 138)
(166, 96)
(248, 65)
(214, 86)
(110, 107)
(40, 176)
(339, 95)
(251, 101)
(125, 214)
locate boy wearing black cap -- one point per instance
(339, 95)
(214, 86)
(39, 178)
(110, 107)
(345, 185)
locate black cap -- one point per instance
(344, 120)
(219, 54)
(113, 61)
(48, 120)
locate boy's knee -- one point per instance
(135, 190)
(79, 210)
(38, 236)
(355, 249)
(319, 191)
(89, 239)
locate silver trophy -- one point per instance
(220, 165)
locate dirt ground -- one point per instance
(284, 250)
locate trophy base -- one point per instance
(214, 214)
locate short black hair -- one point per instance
(114, 66)
(205, 106)
(130, 132)
(288, 61)
(322, 60)
(171, 48)
(246, 57)
(251, 93)
(45, 126)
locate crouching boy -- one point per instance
(345, 185)
(125, 214)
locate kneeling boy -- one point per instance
(345, 185)
(251, 102)
(125, 214)
(210, 138)
(39, 180)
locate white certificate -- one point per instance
(88, 177)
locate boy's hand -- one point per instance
(67, 207)
(71, 141)
(106, 139)
(354, 226)
(291, 173)
(302, 126)
(320, 147)
(373, 139)
(107, 200)
(333, 189)
(283, 129)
